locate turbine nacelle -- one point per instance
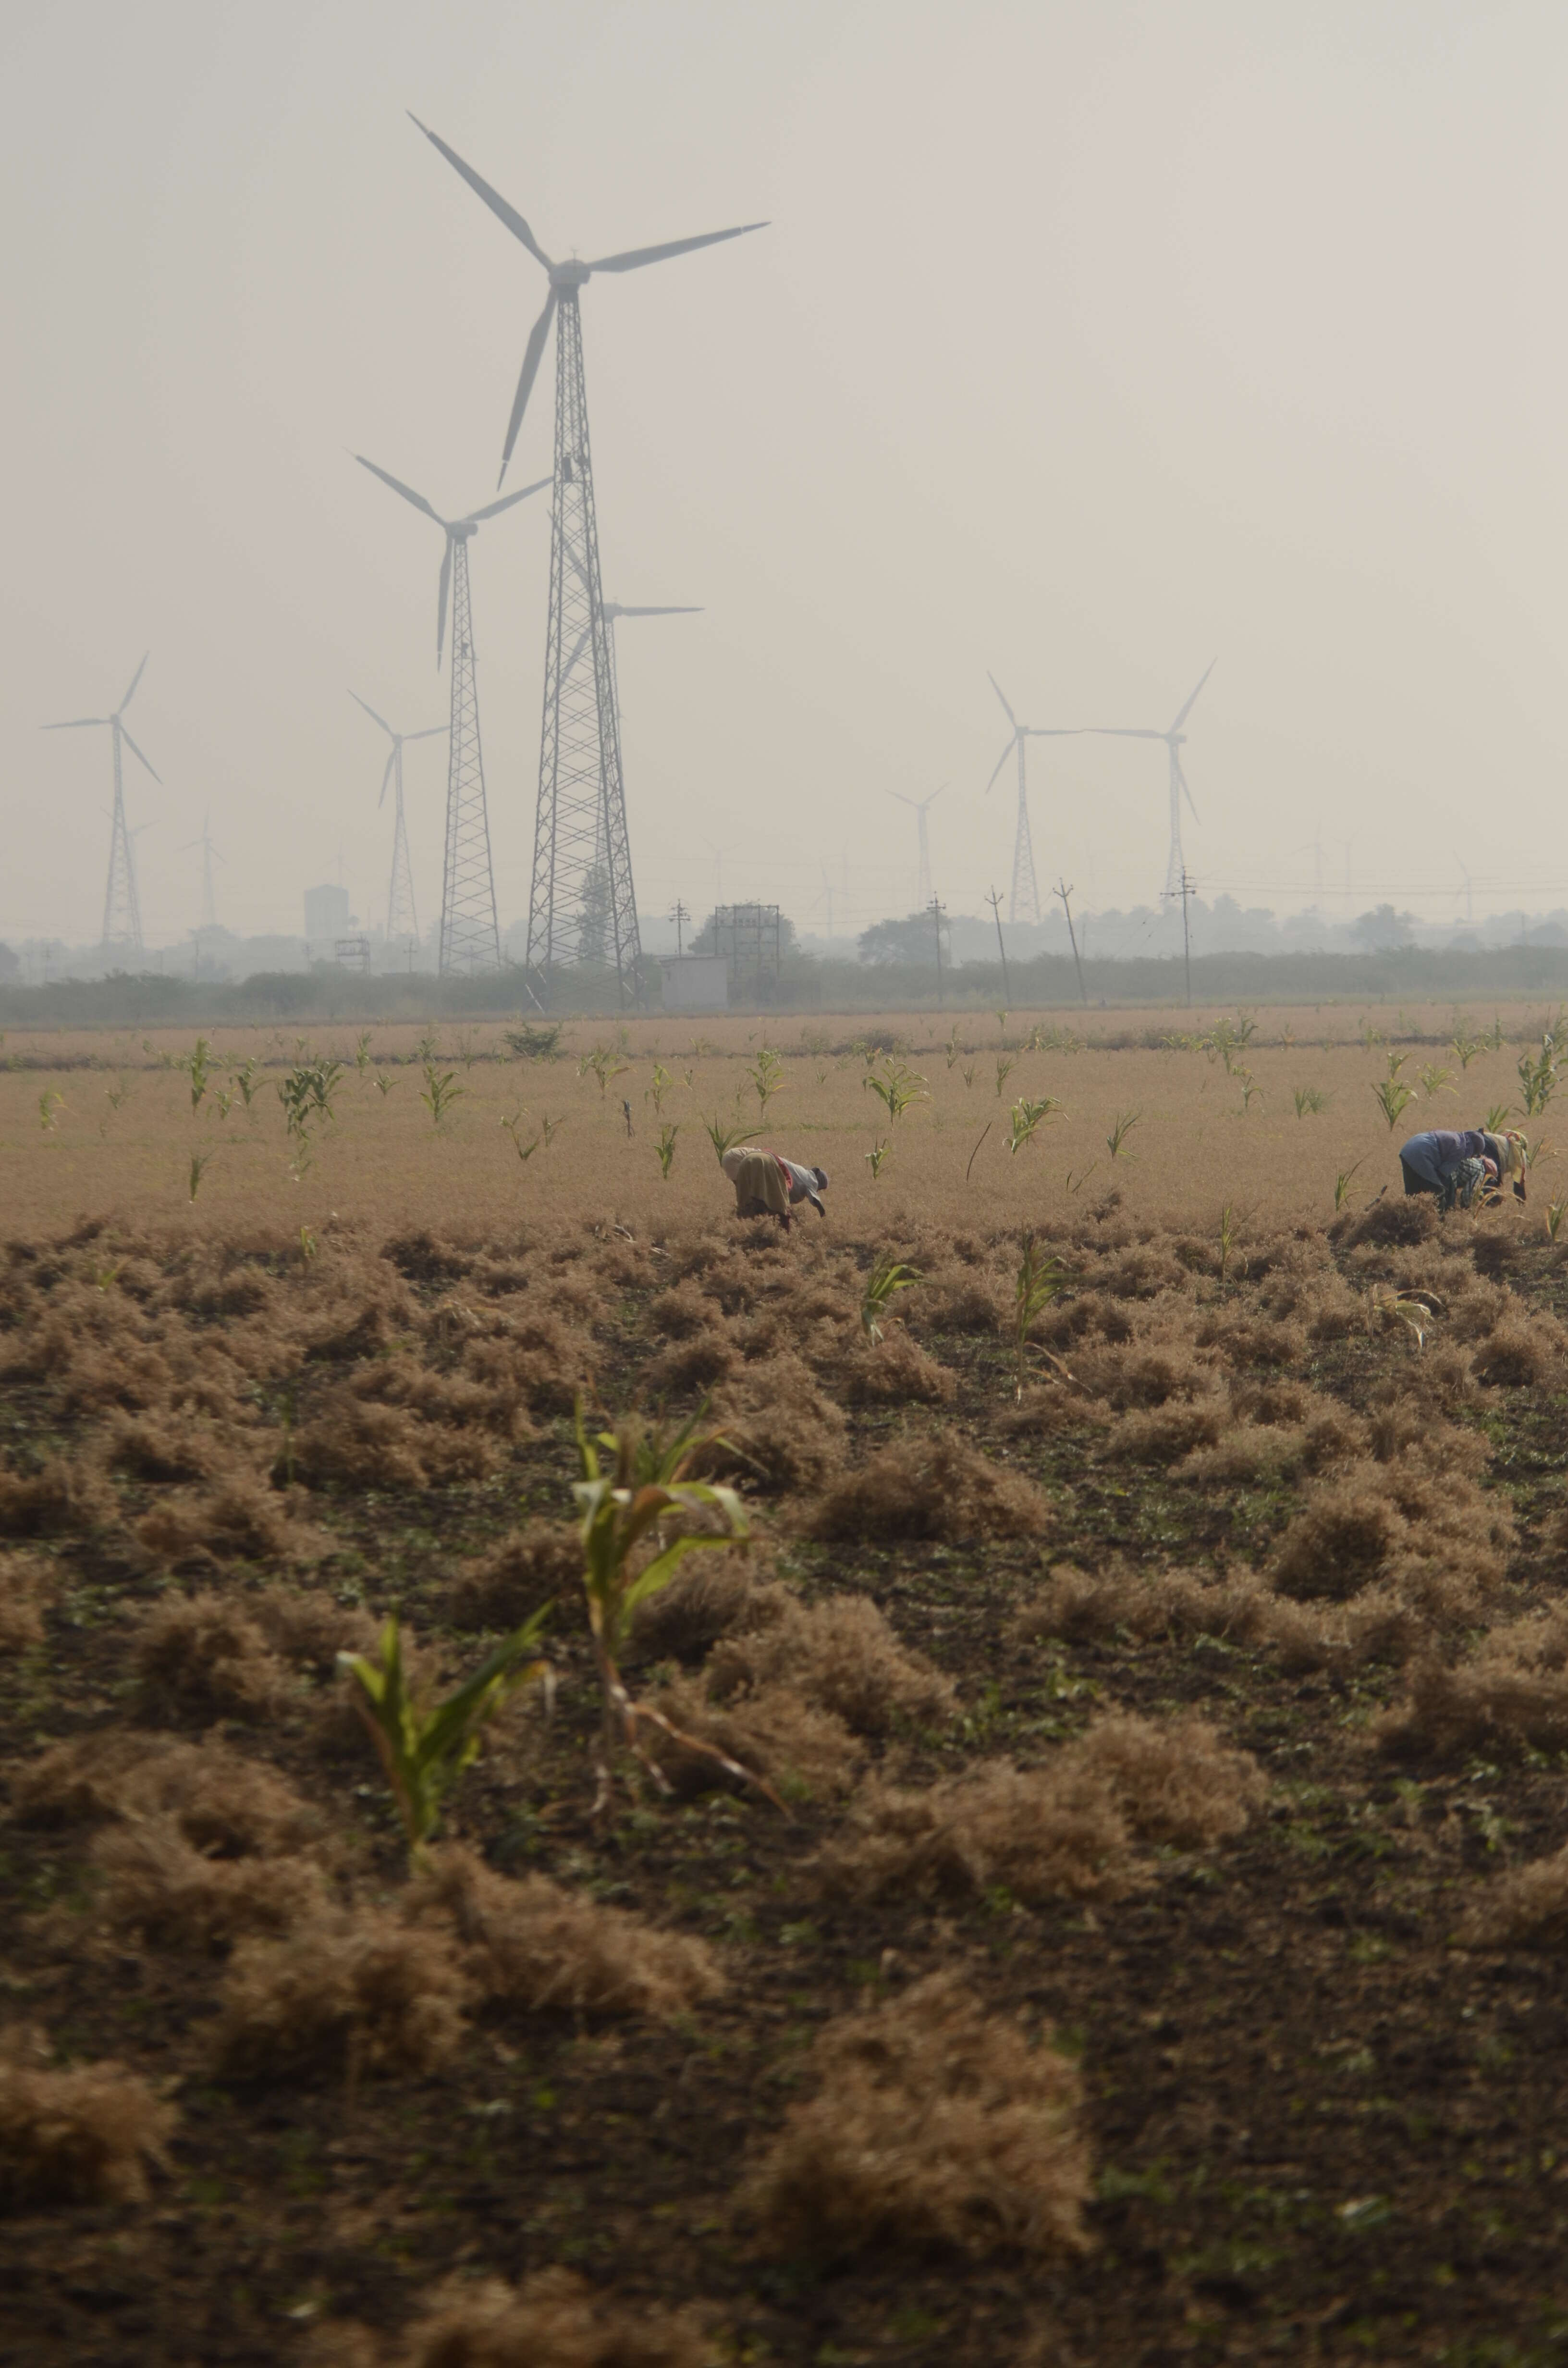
(570, 275)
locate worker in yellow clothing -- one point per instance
(768, 1186)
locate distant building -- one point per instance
(326, 920)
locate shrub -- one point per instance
(935, 2124)
(202, 1655)
(84, 2135)
(157, 1885)
(934, 1486)
(1044, 1833)
(532, 1945)
(347, 1992)
(27, 1585)
(1337, 1545)
(841, 1656)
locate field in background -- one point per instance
(92, 1124)
(1126, 1924)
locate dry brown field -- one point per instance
(1096, 1888)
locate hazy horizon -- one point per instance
(1085, 345)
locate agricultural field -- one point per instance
(1017, 1815)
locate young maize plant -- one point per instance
(440, 1092)
(876, 1159)
(1555, 1211)
(513, 1126)
(1342, 1183)
(897, 1090)
(1038, 1279)
(1251, 1090)
(623, 1510)
(425, 1751)
(766, 1075)
(199, 1163)
(1435, 1080)
(1027, 1117)
(1393, 1098)
(1397, 1063)
(1006, 1064)
(1538, 1077)
(50, 1105)
(886, 1278)
(1229, 1229)
(1416, 1310)
(666, 1150)
(198, 1065)
(1309, 1100)
(951, 1046)
(1463, 1045)
(603, 1064)
(724, 1138)
(362, 1055)
(1122, 1127)
(1497, 1117)
(656, 1092)
(244, 1081)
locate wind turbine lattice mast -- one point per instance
(403, 919)
(1023, 904)
(122, 907)
(471, 939)
(1175, 739)
(582, 904)
(921, 807)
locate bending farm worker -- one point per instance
(1453, 1166)
(767, 1186)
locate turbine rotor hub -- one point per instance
(570, 275)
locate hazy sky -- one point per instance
(1087, 341)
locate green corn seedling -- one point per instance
(898, 1089)
(603, 1064)
(1463, 1045)
(550, 1128)
(362, 1055)
(383, 1085)
(1027, 1117)
(425, 1048)
(1251, 1090)
(1494, 1033)
(199, 1163)
(425, 1751)
(513, 1126)
(1006, 1064)
(50, 1105)
(440, 1093)
(622, 1511)
(198, 1065)
(1228, 1231)
(876, 1159)
(244, 1082)
(1037, 1283)
(1538, 1077)
(1497, 1117)
(660, 1086)
(1122, 1127)
(886, 1278)
(967, 1073)
(1342, 1184)
(727, 1138)
(1394, 1099)
(1397, 1061)
(666, 1150)
(766, 1075)
(1309, 1101)
(1554, 1214)
(951, 1047)
(1435, 1080)
(307, 1243)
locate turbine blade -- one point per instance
(1181, 777)
(491, 510)
(1054, 731)
(441, 601)
(650, 612)
(134, 680)
(76, 723)
(493, 198)
(139, 758)
(371, 711)
(434, 732)
(636, 257)
(386, 777)
(577, 651)
(902, 799)
(1118, 732)
(1001, 761)
(526, 376)
(1192, 702)
(998, 688)
(398, 487)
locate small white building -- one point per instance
(697, 983)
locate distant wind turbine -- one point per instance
(403, 920)
(1465, 891)
(1023, 904)
(1174, 739)
(122, 909)
(209, 893)
(920, 806)
(470, 939)
(611, 610)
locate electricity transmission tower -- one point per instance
(920, 805)
(470, 939)
(1174, 740)
(1023, 904)
(402, 921)
(122, 909)
(208, 893)
(582, 906)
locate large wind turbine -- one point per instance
(402, 921)
(1176, 863)
(1023, 904)
(580, 824)
(920, 805)
(122, 909)
(470, 939)
(209, 890)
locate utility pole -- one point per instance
(1065, 890)
(1187, 891)
(681, 917)
(994, 901)
(936, 909)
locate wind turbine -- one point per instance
(209, 897)
(920, 805)
(1176, 863)
(122, 909)
(402, 921)
(1023, 904)
(612, 611)
(581, 816)
(1465, 891)
(471, 940)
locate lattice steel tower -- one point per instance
(470, 940)
(1024, 904)
(403, 920)
(122, 909)
(582, 906)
